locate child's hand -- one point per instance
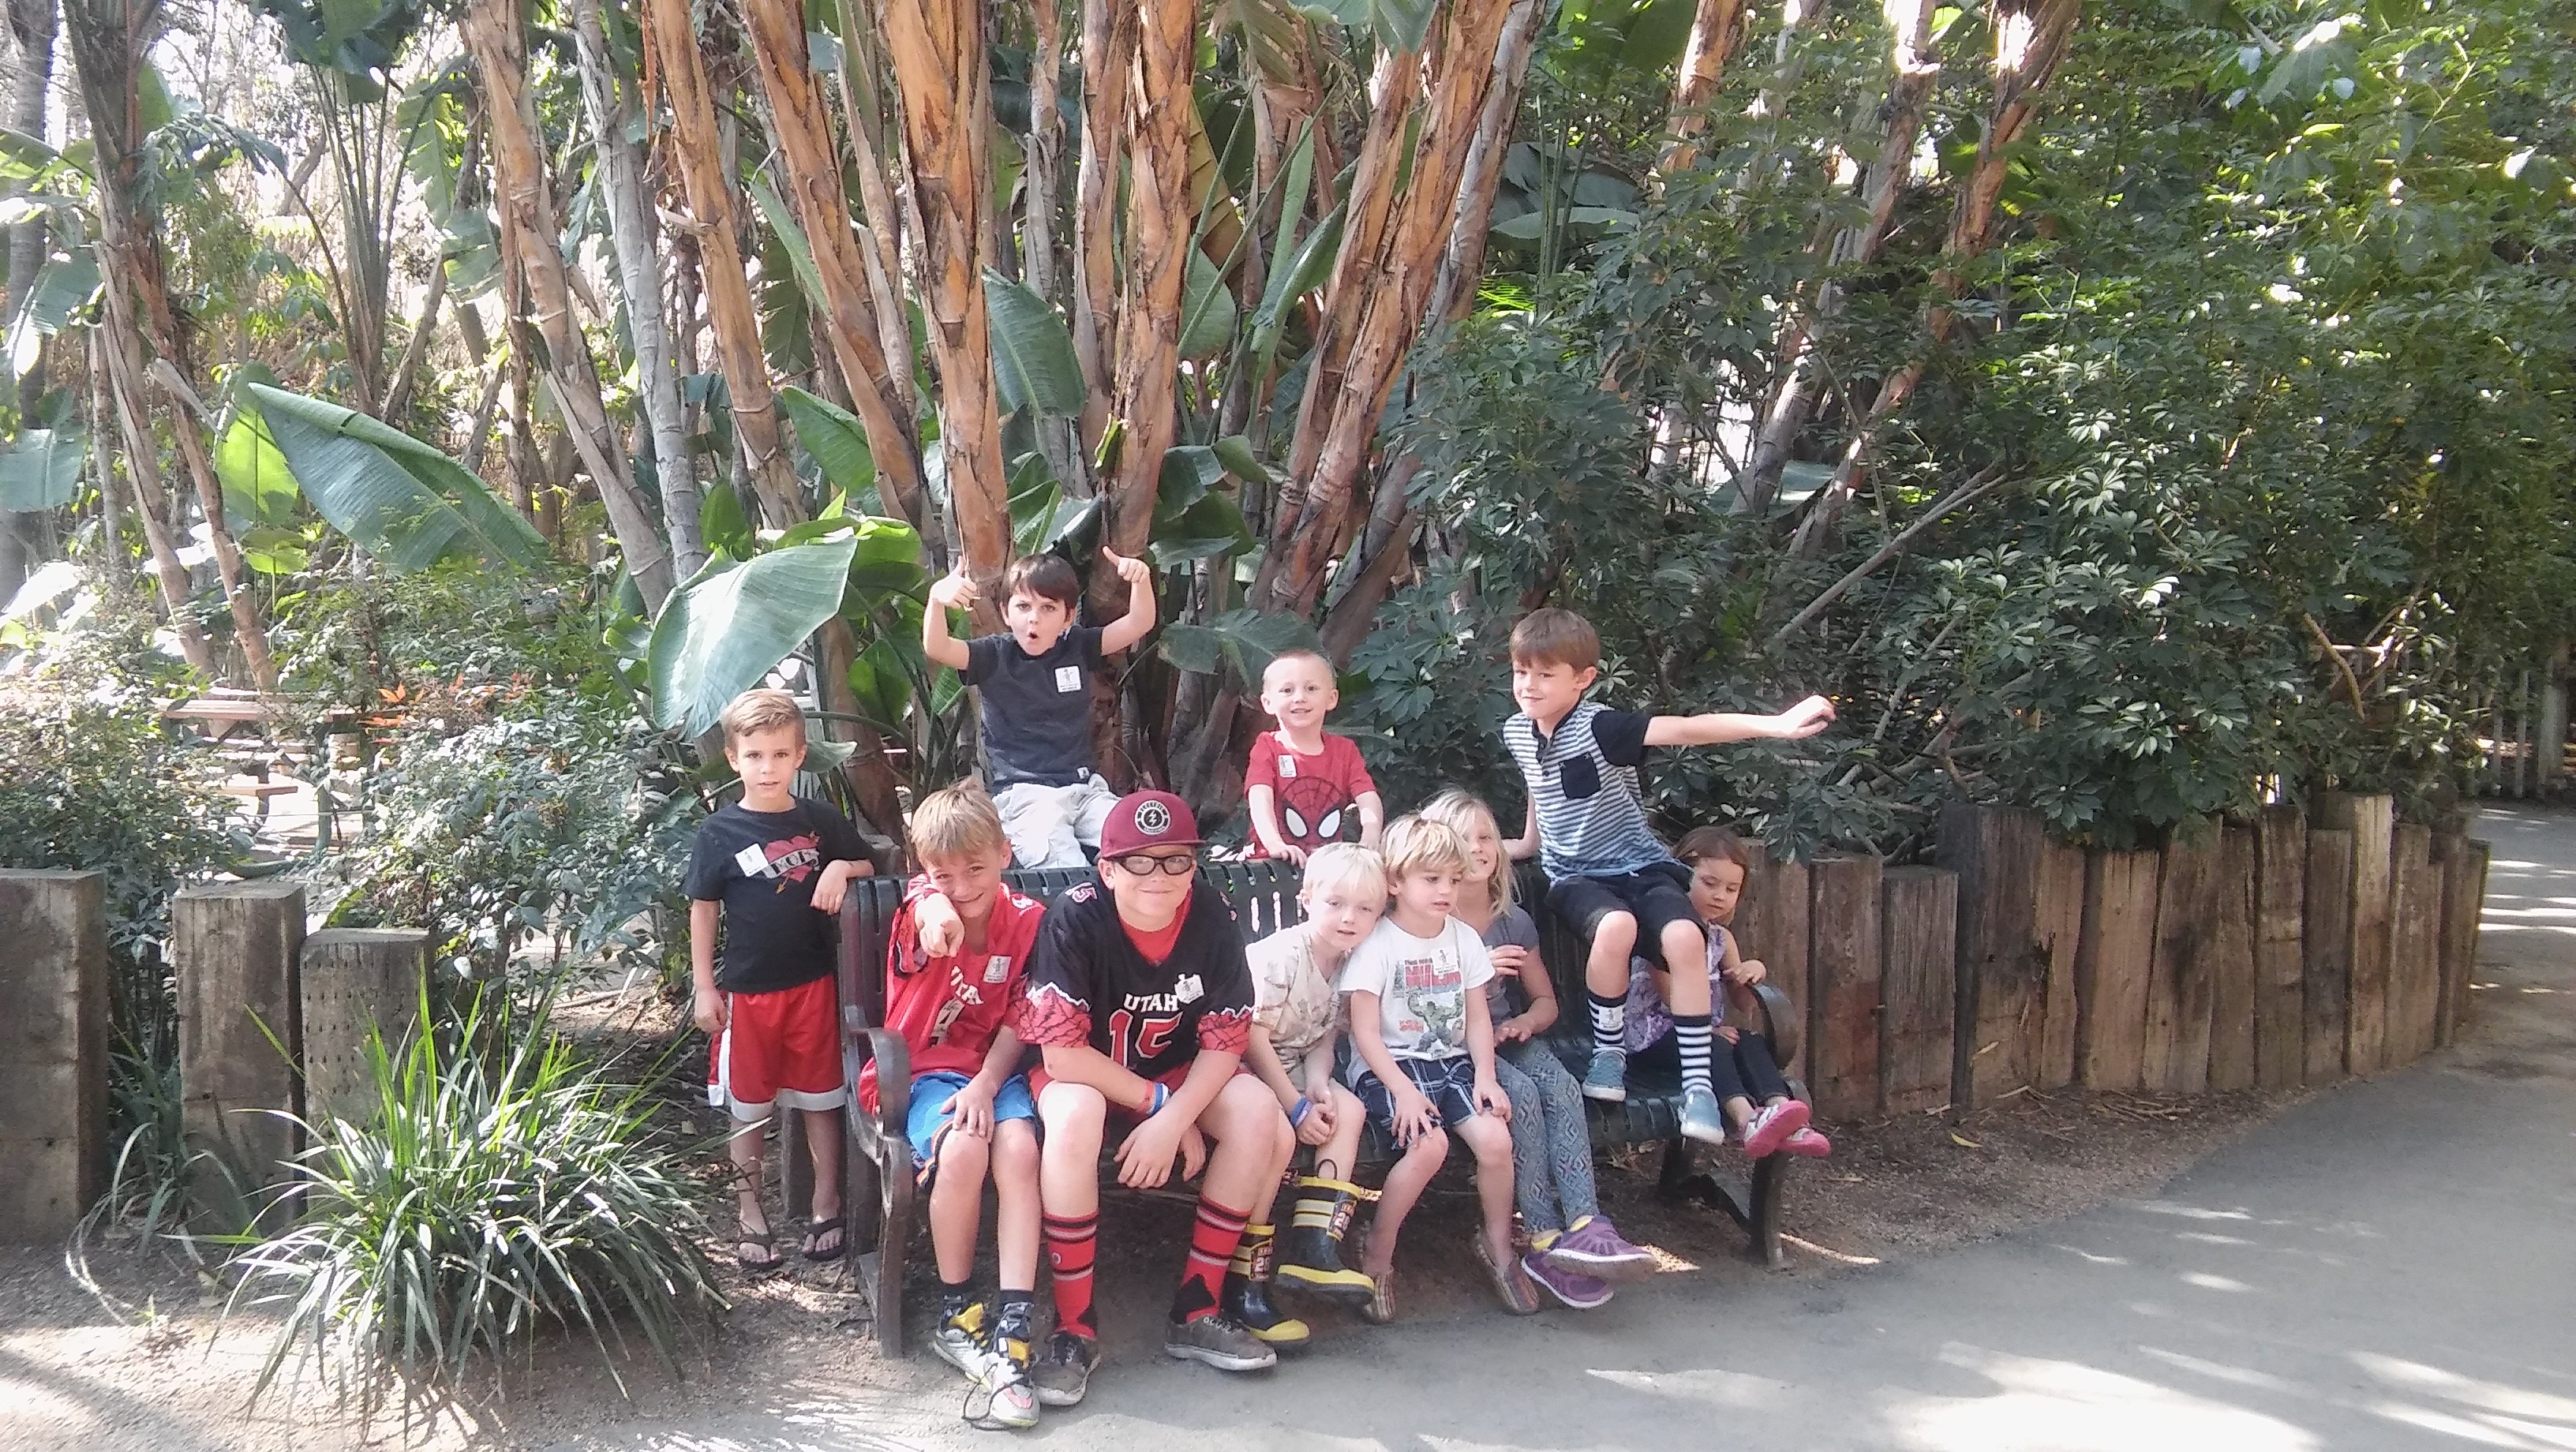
(1145, 1157)
(1130, 569)
(955, 590)
(1806, 718)
(1509, 959)
(1414, 1116)
(1747, 973)
(1490, 1099)
(1317, 1128)
(712, 1013)
(1290, 852)
(1513, 1030)
(942, 931)
(1193, 1152)
(1728, 1032)
(972, 1109)
(833, 883)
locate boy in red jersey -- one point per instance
(953, 967)
(1140, 998)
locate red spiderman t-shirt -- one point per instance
(1088, 982)
(949, 1009)
(1316, 797)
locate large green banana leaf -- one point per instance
(394, 497)
(721, 632)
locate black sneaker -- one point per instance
(1064, 1373)
(1221, 1342)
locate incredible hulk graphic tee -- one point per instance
(1421, 986)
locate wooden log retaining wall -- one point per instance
(2291, 950)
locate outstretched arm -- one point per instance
(954, 590)
(1716, 728)
(1133, 626)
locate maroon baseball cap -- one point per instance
(1144, 820)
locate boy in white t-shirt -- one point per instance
(1425, 1070)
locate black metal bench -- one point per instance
(878, 1192)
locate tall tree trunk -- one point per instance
(109, 40)
(416, 348)
(1042, 186)
(849, 305)
(494, 32)
(116, 356)
(938, 51)
(1108, 55)
(633, 234)
(1377, 303)
(1717, 28)
(32, 24)
(1792, 405)
(884, 251)
(2031, 37)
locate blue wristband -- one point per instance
(1297, 1116)
(1162, 1095)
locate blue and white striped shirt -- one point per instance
(1591, 805)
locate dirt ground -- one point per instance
(147, 1361)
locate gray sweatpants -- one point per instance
(1551, 1145)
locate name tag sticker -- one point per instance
(753, 861)
(1287, 764)
(997, 968)
(1068, 678)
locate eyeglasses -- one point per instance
(1145, 864)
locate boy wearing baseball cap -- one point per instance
(1139, 998)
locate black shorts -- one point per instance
(1450, 1085)
(1657, 896)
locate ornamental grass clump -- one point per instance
(501, 1186)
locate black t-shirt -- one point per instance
(1088, 983)
(762, 866)
(1037, 708)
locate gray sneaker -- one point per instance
(960, 1341)
(1064, 1373)
(1700, 1117)
(1221, 1342)
(1607, 1079)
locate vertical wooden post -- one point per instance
(2231, 963)
(2415, 931)
(237, 948)
(2002, 965)
(2060, 929)
(2328, 949)
(2372, 822)
(1771, 922)
(53, 1051)
(2280, 935)
(2178, 995)
(356, 982)
(2464, 893)
(1843, 977)
(1919, 923)
(2114, 959)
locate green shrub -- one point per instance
(501, 1185)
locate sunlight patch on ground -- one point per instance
(2062, 1406)
(2217, 1371)
(2416, 1377)
(1731, 1389)
(2208, 1282)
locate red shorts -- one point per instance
(1038, 1081)
(778, 1048)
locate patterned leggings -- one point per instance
(1551, 1143)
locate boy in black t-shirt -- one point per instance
(1139, 996)
(1036, 709)
(770, 871)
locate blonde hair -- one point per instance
(1459, 809)
(1296, 655)
(1341, 863)
(1416, 844)
(958, 822)
(761, 710)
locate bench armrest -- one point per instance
(894, 1074)
(1780, 1023)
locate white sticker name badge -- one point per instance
(997, 968)
(1287, 763)
(1068, 678)
(753, 861)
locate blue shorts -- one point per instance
(928, 1120)
(1450, 1085)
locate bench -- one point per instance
(878, 1194)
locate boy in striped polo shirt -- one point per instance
(1608, 873)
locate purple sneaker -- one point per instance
(1594, 1250)
(1771, 1127)
(1575, 1289)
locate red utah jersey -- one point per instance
(948, 1010)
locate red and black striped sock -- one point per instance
(1212, 1242)
(1071, 1243)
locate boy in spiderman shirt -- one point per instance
(1305, 786)
(1139, 997)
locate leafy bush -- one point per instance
(500, 1185)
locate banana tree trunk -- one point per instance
(633, 234)
(1717, 28)
(1108, 53)
(849, 304)
(884, 251)
(117, 356)
(109, 42)
(495, 33)
(2031, 37)
(938, 51)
